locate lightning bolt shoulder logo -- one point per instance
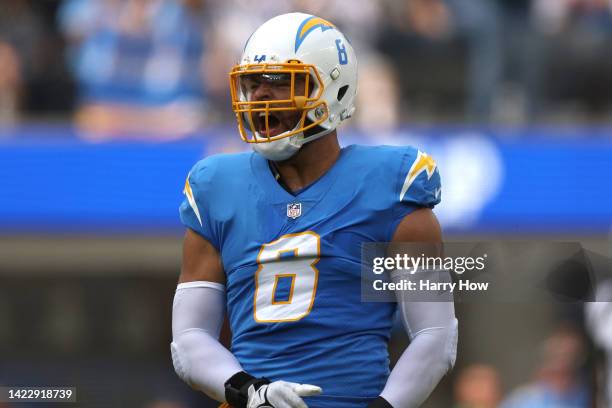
(423, 162)
(191, 199)
(308, 26)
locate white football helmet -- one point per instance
(287, 46)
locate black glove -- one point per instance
(237, 388)
(243, 390)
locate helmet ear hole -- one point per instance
(342, 92)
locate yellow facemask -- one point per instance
(304, 102)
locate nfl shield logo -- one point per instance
(294, 210)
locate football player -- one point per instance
(274, 238)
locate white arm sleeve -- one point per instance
(198, 357)
(433, 331)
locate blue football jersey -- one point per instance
(293, 262)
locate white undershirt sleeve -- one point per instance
(433, 331)
(198, 357)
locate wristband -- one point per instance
(237, 388)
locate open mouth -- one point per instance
(274, 127)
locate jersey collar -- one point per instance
(276, 194)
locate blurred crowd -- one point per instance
(560, 378)
(157, 69)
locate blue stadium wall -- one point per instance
(537, 180)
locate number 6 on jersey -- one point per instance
(293, 257)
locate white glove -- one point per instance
(281, 394)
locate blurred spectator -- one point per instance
(518, 94)
(477, 386)
(10, 83)
(378, 98)
(476, 55)
(426, 40)
(138, 64)
(558, 15)
(559, 382)
(21, 32)
(575, 38)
